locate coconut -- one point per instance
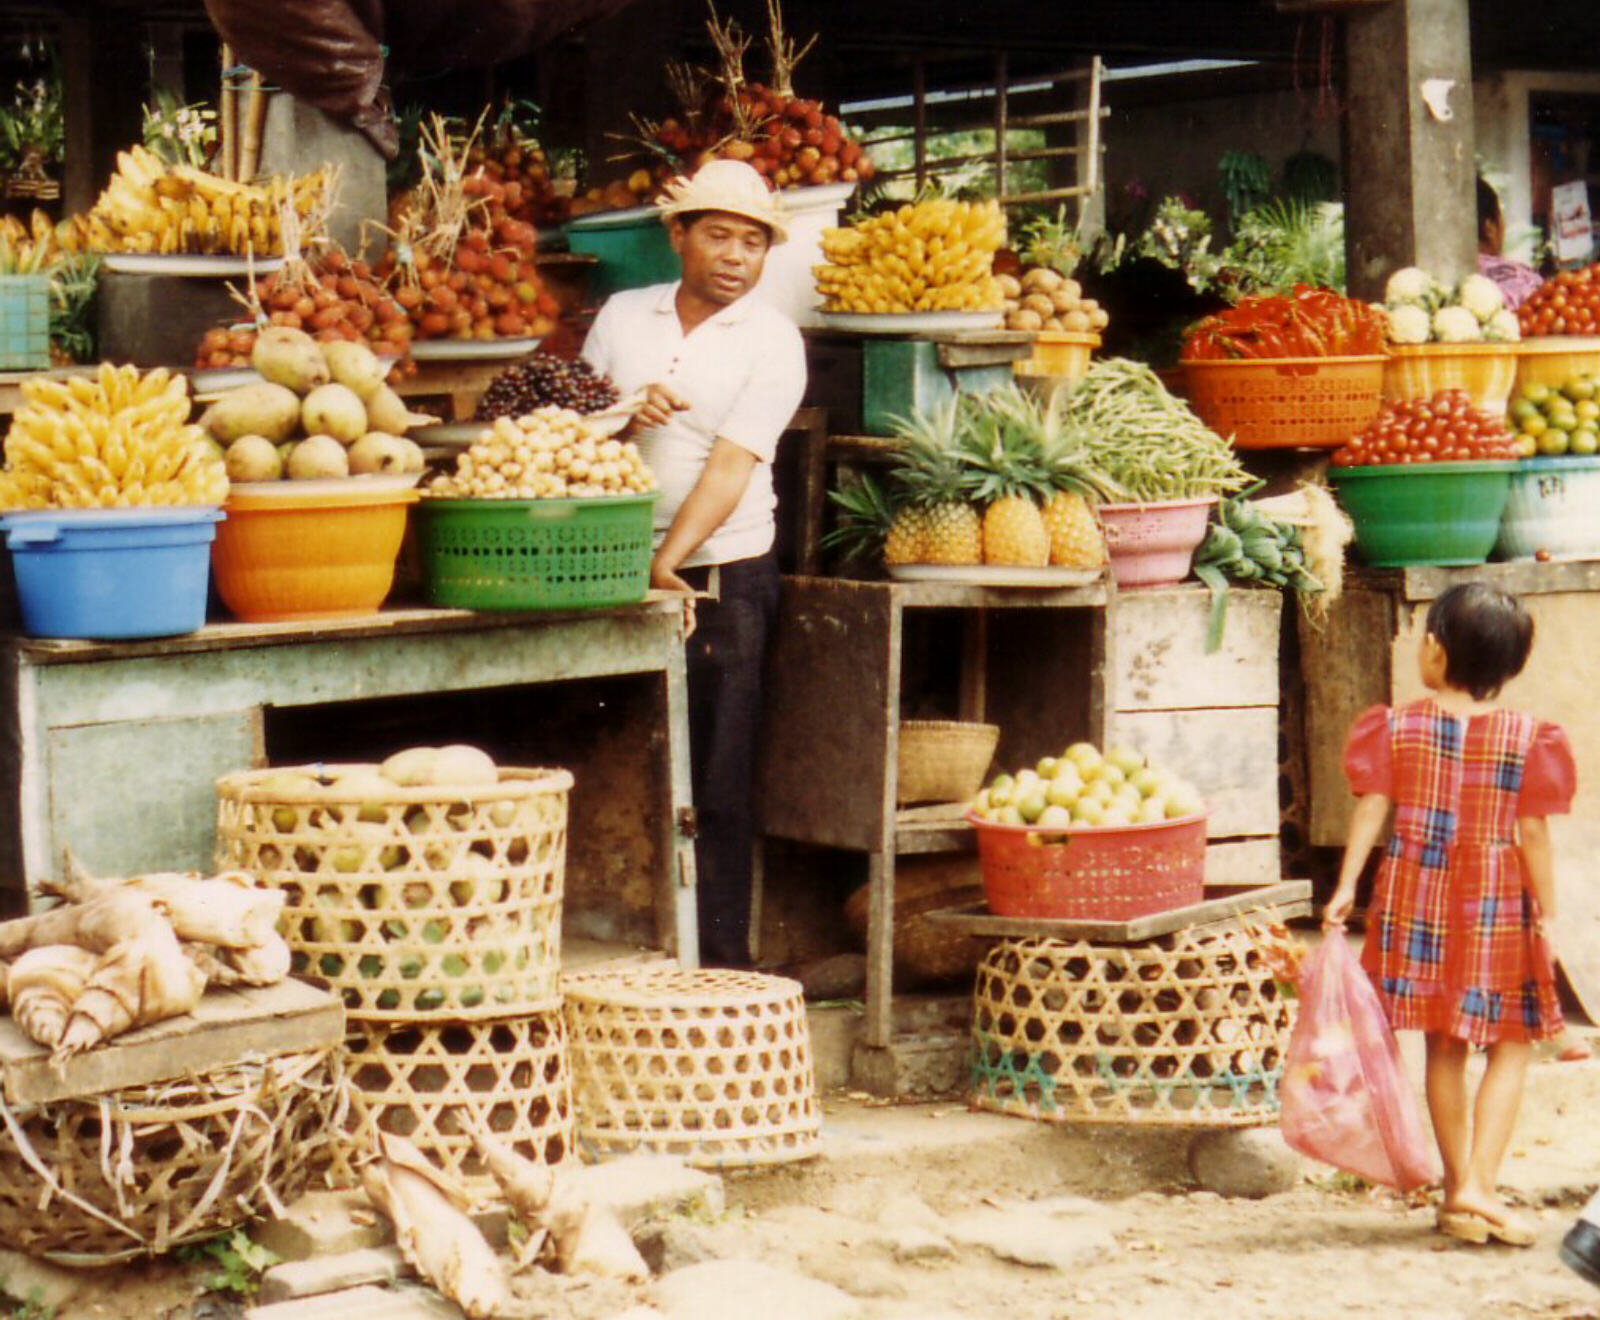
(410, 768)
(386, 411)
(334, 410)
(263, 409)
(318, 456)
(378, 452)
(355, 366)
(290, 357)
(461, 764)
(253, 458)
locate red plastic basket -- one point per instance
(1097, 874)
(1270, 403)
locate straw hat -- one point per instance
(726, 185)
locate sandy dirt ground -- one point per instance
(1154, 1244)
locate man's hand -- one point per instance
(660, 402)
(663, 578)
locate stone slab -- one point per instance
(365, 1303)
(324, 1224)
(327, 1274)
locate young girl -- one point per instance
(1456, 942)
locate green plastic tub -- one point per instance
(1417, 514)
(632, 246)
(536, 554)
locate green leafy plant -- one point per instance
(1051, 241)
(33, 122)
(1285, 243)
(240, 1262)
(1246, 180)
(177, 133)
(33, 1307)
(1309, 176)
(1180, 238)
(74, 281)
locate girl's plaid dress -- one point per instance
(1452, 944)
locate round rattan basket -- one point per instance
(102, 1178)
(943, 760)
(1187, 1029)
(436, 1082)
(710, 1065)
(419, 900)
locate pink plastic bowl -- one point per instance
(1152, 545)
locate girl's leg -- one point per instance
(1499, 1096)
(1450, 1109)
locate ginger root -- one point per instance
(43, 984)
(433, 1231)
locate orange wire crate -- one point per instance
(1286, 403)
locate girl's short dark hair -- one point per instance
(1486, 635)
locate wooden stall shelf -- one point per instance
(116, 747)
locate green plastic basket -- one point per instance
(1425, 513)
(24, 322)
(537, 554)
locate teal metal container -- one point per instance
(24, 322)
(632, 247)
(903, 376)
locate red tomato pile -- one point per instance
(1568, 303)
(1443, 429)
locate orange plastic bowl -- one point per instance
(310, 550)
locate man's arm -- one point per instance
(707, 507)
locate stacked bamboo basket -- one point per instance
(712, 1065)
(436, 912)
(1186, 1029)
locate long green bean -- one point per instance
(1147, 442)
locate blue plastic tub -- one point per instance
(112, 573)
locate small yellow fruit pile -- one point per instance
(115, 441)
(1083, 788)
(150, 206)
(548, 454)
(1045, 299)
(934, 256)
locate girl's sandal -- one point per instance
(1469, 1226)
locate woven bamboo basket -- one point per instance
(427, 900)
(943, 760)
(925, 950)
(711, 1065)
(437, 1082)
(138, 1171)
(1189, 1029)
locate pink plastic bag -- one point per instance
(1344, 1098)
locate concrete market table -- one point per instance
(113, 748)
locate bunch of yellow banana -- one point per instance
(32, 248)
(112, 441)
(931, 256)
(151, 206)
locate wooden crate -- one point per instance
(1212, 718)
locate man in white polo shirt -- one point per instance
(721, 374)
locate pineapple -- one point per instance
(1075, 539)
(1014, 533)
(938, 523)
(866, 519)
(1007, 472)
(908, 538)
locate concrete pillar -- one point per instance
(1409, 173)
(298, 138)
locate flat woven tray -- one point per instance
(1287, 899)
